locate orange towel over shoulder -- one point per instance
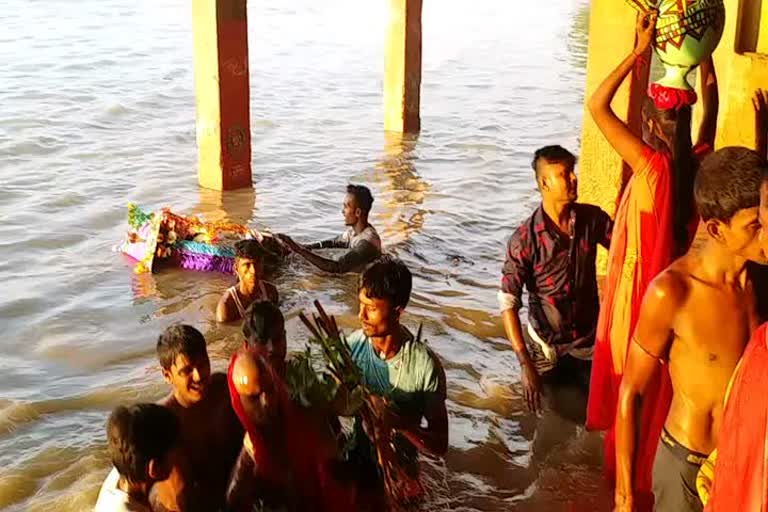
(641, 247)
(741, 475)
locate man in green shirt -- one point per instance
(403, 371)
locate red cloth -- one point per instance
(669, 98)
(741, 476)
(641, 247)
(643, 225)
(310, 468)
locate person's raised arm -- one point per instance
(710, 103)
(628, 145)
(760, 102)
(648, 348)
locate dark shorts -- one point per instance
(566, 388)
(674, 477)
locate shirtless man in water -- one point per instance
(250, 287)
(696, 318)
(287, 455)
(211, 435)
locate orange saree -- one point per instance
(641, 247)
(741, 475)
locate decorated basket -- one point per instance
(165, 238)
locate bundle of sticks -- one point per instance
(401, 488)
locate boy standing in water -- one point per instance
(250, 287)
(360, 239)
(210, 432)
(695, 319)
(140, 440)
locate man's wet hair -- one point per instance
(728, 181)
(553, 155)
(388, 278)
(362, 195)
(137, 434)
(179, 339)
(249, 249)
(263, 322)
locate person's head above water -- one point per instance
(255, 384)
(184, 360)
(140, 439)
(357, 204)
(727, 192)
(264, 333)
(248, 261)
(555, 174)
(384, 292)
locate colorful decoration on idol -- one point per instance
(687, 32)
(167, 238)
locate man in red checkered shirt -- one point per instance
(552, 256)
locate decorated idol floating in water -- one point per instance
(165, 238)
(687, 32)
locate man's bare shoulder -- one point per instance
(671, 287)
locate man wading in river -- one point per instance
(552, 255)
(360, 239)
(210, 433)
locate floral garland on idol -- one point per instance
(166, 238)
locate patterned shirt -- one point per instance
(558, 271)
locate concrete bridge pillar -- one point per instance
(222, 93)
(402, 67)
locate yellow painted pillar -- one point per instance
(402, 67)
(602, 173)
(222, 93)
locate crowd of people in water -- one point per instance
(671, 357)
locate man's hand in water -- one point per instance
(288, 242)
(531, 387)
(646, 28)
